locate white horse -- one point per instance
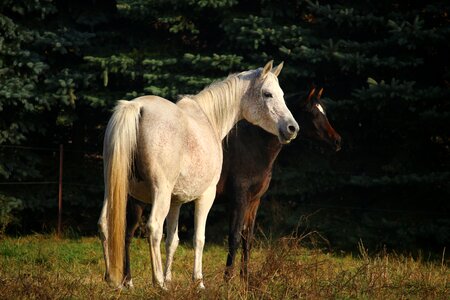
(168, 154)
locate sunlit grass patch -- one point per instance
(46, 267)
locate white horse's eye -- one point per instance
(267, 94)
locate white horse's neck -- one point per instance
(221, 103)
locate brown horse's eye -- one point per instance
(267, 94)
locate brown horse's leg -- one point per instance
(247, 235)
(238, 207)
(134, 213)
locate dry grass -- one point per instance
(43, 267)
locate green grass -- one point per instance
(43, 267)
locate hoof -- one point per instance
(168, 284)
(129, 284)
(200, 285)
(116, 287)
(228, 274)
(164, 288)
(161, 286)
(112, 284)
(244, 276)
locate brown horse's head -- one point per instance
(312, 117)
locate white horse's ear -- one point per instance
(277, 70)
(266, 69)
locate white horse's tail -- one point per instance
(118, 152)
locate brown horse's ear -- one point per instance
(311, 93)
(276, 71)
(319, 95)
(305, 101)
(266, 69)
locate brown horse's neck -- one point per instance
(273, 149)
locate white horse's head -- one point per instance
(264, 104)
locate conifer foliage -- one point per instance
(384, 66)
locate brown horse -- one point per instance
(248, 157)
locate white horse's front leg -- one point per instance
(202, 207)
(160, 208)
(171, 239)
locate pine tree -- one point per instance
(384, 67)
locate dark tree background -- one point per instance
(384, 66)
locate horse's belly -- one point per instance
(200, 165)
(192, 185)
(188, 187)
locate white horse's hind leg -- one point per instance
(103, 232)
(202, 207)
(160, 208)
(171, 239)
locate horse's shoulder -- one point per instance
(193, 111)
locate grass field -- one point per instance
(43, 267)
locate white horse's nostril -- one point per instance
(292, 129)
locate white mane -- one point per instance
(221, 100)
